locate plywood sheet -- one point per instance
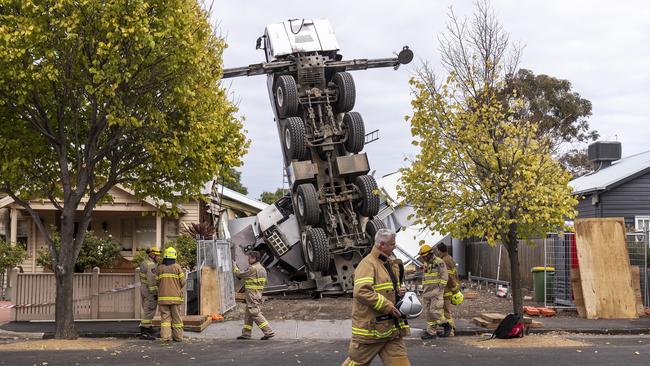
(210, 301)
(636, 286)
(576, 286)
(605, 269)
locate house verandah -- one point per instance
(132, 222)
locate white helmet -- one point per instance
(409, 306)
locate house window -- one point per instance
(145, 232)
(22, 235)
(642, 223)
(126, 237)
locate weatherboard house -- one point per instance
(618, 187)
(131, 221)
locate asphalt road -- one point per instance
(614, 350)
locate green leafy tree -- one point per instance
(94, 94)
(483, 170)
(272, 197)
(576, 161)
(95, 252)
(10, 255)
(232, 179)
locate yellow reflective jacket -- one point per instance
(373, 296)
(453, 284)
(435, 278)
(148, 282)
(171, 280)
(254, 281)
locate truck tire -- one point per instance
(372, 226)
(369, 201)
(295, 143)
(307, 210)
(286, 96)
(347, 91)
(318, 255)
(356, 132)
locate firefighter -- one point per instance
(433, 283)
(254, 281)
(453, 285)
(148, 292)
(377, 325)
(171, 281)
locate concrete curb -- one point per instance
(5, 334)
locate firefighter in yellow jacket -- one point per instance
(377, 326)
(148, 292)
(453, 284)
(171, 281)
(433, 283)
(254, 281)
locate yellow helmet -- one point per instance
(425, 249)
(154, 250)
(457, 298)
(170, 253)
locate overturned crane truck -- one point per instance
(314, 237)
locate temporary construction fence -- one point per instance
(216, 256)
(556, 254)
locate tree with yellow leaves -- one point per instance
(483, 171)
(99, 93)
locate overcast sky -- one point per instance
(602, 47)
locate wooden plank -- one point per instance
(493, 317)
(470, 295)
(210, 294)
(536, 324)
(636, 285)
(605, 269)
(484, 323)
(577, 293)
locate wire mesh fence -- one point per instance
(216, 254)
(561, 265)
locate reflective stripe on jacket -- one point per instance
(171, 280)
(373, 297)
(148, 283)
(254, 281)
(453, 285)
(435, 277)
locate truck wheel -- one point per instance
(372, 226)
(286, 96)
(369, 201)
(356, 132)
(318, 256)
(307, 208)
(347, 91)
(295, 144)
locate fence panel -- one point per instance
(483, 260)
(40, 288)
(560, 253)
(217, 254)
(117, 305)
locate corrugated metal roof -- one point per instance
(234, 195)
(610, 176)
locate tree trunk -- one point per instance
(64, 271)
(515, 275)
(64, 308)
